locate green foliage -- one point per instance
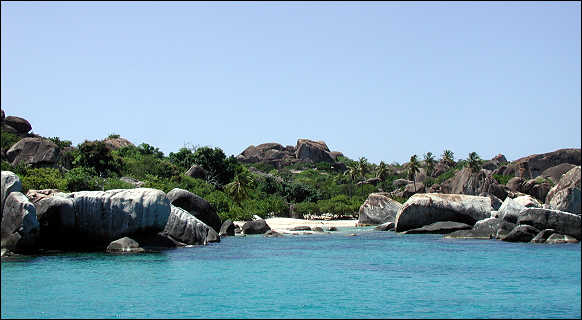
(42, 178)
(382, 171)
(113, 136)
(8, 139)
(299, 192)
(82, 179)
(96, 155)
(448, 157)
(238, 189)
(61, 143)
(214, 161)
(540, 180)
(501, 179)
(269, 185)
(220, 201)
(184, 158)
(474, 162)
(115, 183)
(445, 176)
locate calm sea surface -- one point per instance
(373, 275)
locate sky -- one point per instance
(381, 80)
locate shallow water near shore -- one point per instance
(334, 275)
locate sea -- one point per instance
(374, 274)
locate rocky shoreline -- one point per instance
(145, 219)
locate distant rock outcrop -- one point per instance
(566, 195)
(534, 165)
(37, 152)
(117, 143)
(22, 126)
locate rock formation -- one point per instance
(565, 195)
(196, 206)
(37, 152)
(378, 209)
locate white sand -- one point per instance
(282, 225)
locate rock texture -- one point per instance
(557, 238)
(562, 222)
(196, 171)
(124, 245)
(19, 228)
(196, 206)
(532, 166)
(117, 143)
(556, 172)
(37, 152)
(565, 195)
(509, 210)
(315, 151)
(259, 226)
(19, 124)
(378, 209)
(424, 209)
(184, 227)
(490, 228)
(543, 235)
(227, 228)
(521, 233)
(36, 195)
(10, 183)
(386, 226)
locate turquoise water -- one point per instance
(372, 275)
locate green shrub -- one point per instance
(95, 154)
(237, 213)
(43, 178)
(8, 140)
(115, 183)
(61, 143)
(82, 179)
(220, 201)
(113, 136)
(501, 179)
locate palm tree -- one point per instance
(238, 189)
(448, 157)
(413, 169)
(352, 172)
(429, 161)
(363, 169)
(474, 162)
(382, 171)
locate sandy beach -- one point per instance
(282, 225)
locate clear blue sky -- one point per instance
(380, 80)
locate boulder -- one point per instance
(498, 190)
(103, 216)
(565, 195)
(196, 205)
(413, 188)
(424, 209)
(515, 183)
(272, 234)
(56, 217)
(556, 172)
(335, 154)
(117, 143)
(300, 228)
(315, 151)
(317, 229)
(196, 171)
(19, 228)
(37, 152)
(521, 233)
(332, 229)
(527, 201)
(509, 210)
(21, 125)
(543, 235)
(401, 183)
(255, 227)
(563, 222)
(227, 228)
(378, 209)
(10, 183)
(470, 183)
(36, 195)
(386, 226)
(185, 228)
(537, 189)
(490, 228)
(6, 128)
(532, 166)
(495, 201)
(557, 238)
(124, 245)
(500, 158)
(441, 227)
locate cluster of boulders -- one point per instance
(96, 220)
(519, 219)
(12, 124)
(279, 156)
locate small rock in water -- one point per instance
(332, 229)
(318, 229)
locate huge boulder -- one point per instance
(19, 228)
(511, 208)
(196, 171)
(227, 228)
(187, 229)
(196, 205)
(562, 222)
(56, 217)
(543, 235)
(566, 196)
(413, 188)
(258, 226)
(490, 228)
(21, 125)
(262, 152)
(427, 208)
(555, 173)
(99, 217)
(34, 151)
(316, 151)
(534, 165)
(527, 201)
(36, 195)
(495, 201)
(536, 188)
(378, 209)
(10, 183)
(470, 183)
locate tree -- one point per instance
(363, 168)
(352, 172)
(448, 158)
(382, 171)
(413, 169)
(429, 162)
(474, 162)
(239, 188)
(95, 154)
(214, 161)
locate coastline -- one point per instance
(282, 225)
